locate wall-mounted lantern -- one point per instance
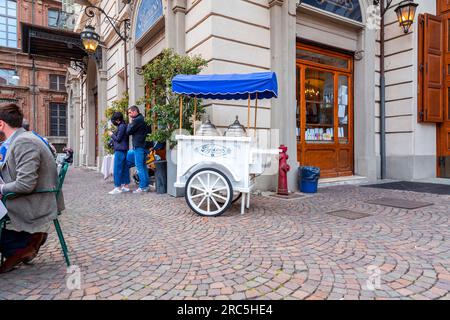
(406, 12)
(90, 39)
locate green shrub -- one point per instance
(158, 75)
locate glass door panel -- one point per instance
(319, 98)
(343, 109)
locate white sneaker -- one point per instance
(115, 191)
(139, 190)
(124, 189)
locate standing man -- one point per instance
(29, 166)
(139, 130)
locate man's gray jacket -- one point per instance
(29, 166)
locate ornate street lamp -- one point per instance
(406, 11)
(90, 39)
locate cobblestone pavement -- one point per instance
(153, 247)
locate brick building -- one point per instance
(36, 84)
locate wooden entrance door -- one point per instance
(325, 110)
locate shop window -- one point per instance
(9, 77)
(320, 58)
(319, 98)
(57, 82)
(58, 120)
(8, 23)
(343, 96)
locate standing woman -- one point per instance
(121, 146)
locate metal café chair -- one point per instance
(56, 191)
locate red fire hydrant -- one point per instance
(282, 171)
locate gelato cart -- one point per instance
(216, 170)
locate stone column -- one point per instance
(364, 110)
(91, 83)
(175, 25)
(136, 86)
(175, 38)
(74, 119)
(179, 11)
(76, 122)
(283, 113)
(102, 105)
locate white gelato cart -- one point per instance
(216, 170)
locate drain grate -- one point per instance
(400, 203)
(347, 214)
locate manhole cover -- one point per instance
(291, 196)
(347, 214)
(400, 203)
(433, 188)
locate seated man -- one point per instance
(29, 166)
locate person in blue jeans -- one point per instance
(139, 130)
(121, 146)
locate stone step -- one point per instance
(349, 180)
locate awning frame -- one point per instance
(62, 44)
(262, 85)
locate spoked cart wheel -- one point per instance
(236, 196)
(209, 192)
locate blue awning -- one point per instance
(227, 86)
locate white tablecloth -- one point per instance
(108, 166)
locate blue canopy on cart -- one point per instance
(227, 86)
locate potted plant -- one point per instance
(162, 111)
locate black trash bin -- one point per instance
(161, 176)
(308, 178)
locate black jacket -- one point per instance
(139, 130)
(120, 138)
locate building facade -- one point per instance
(37, 85)
(327, 58)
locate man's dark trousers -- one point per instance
(13, 240)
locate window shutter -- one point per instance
(431, 69)
(443, 6)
